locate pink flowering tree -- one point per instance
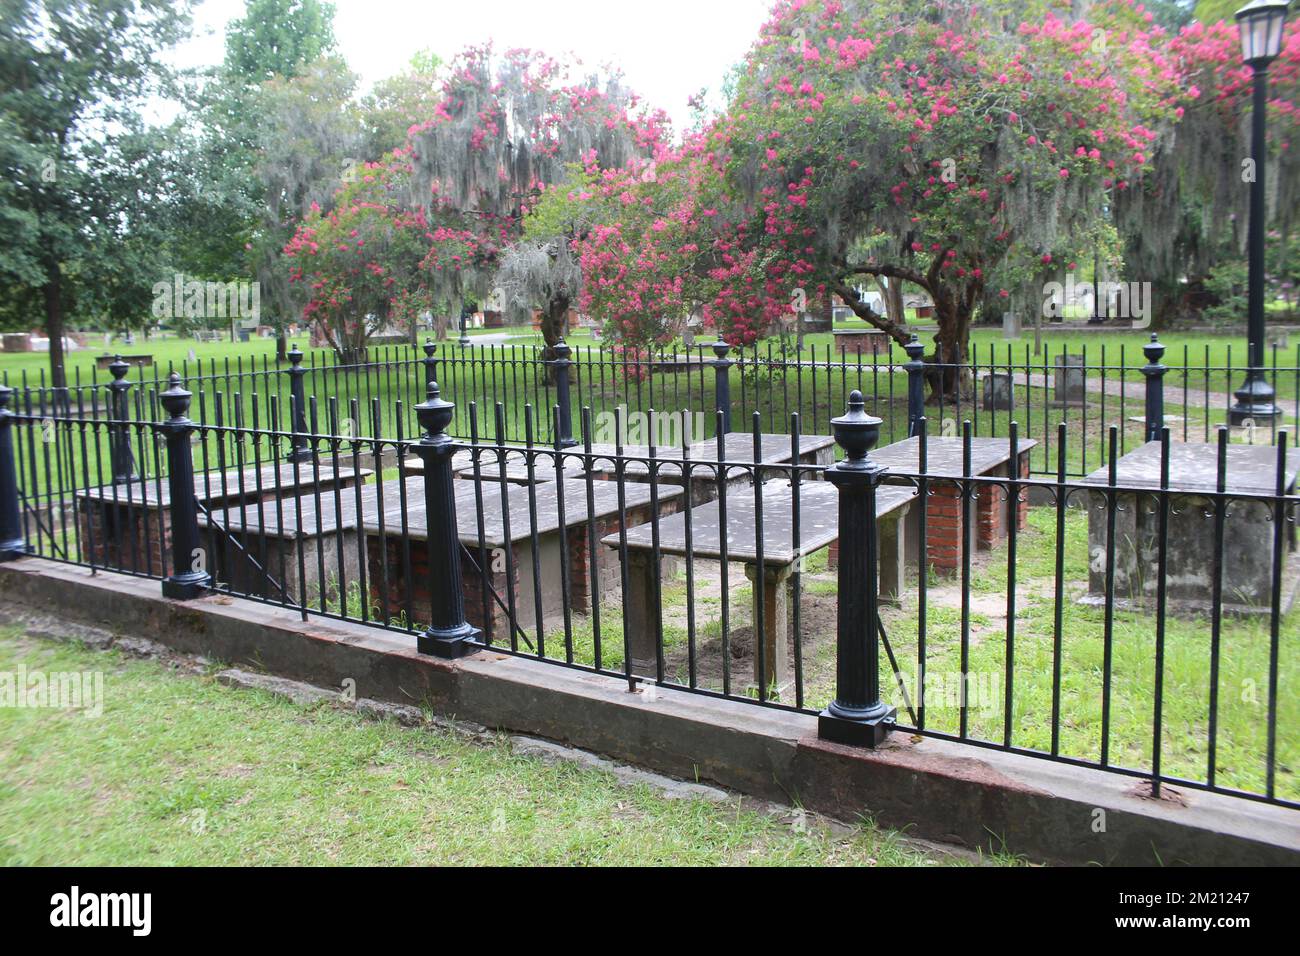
(361, 261)
(1188, 217)
(962, 153)
(507, 127)
(648, 245)
(942, 150)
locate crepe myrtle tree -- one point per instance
(505, 127)
(361, 262)
(1188, 216)
(660, 241)
(939, 148)
(935, 146)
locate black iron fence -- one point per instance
(1089, 390)
(1136, 617)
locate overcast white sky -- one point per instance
(668, 49)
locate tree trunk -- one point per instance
(54, 324)
(892, 293)
(555, 320)
(281, 343)
(951, 352)
(953, 307)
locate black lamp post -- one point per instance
(1261, 23)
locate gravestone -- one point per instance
(997, 391)
(1068, 381)
(688, 331)
(1010, 325)
(813, 323)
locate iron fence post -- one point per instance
(121, 460)
(301, 448)
(448, 634)
(915, 369)
(429, 362)
(189, 577)
(561, 364)
(12, 542)
(857, 716)
(722, 383)
(1154, 371)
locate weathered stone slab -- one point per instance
(818, 510)
(1247, 554)
(944, 455)
(215, 486)
(698, 468)
(1251, 469)
(128, 526)
(523, 541)
(818, 523)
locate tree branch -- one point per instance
(898, 333)
(892, 272)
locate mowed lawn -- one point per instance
(182, 770)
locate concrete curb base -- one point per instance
(974, 797)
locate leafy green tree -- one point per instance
(306, 151)
(398, 103)
(243, 110)
(276, 37)
(73, 77)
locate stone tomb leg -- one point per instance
(773, 643)
(643, 617)
(891, 557)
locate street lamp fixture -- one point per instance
(1261, 23)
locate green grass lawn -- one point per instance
(1243, 678)
(181, 770)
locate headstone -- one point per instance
(17, 342)
(1068, 380)
(688, 331)
(997, 391)
(813, 323)
(191, 356)
(1010, 325)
